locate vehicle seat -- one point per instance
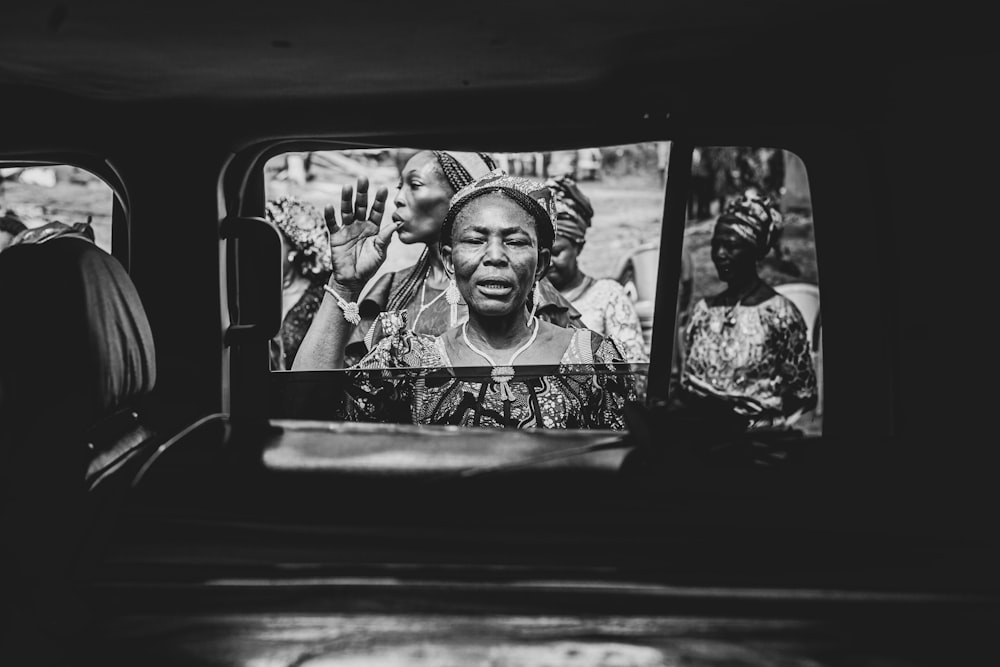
(76, 360)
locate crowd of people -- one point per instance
(497, 325)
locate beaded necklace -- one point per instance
(502, 375)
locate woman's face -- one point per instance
(735, 257)
(563, 268)
(495, 255)
(422, 200)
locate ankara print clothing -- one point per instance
(760, 351)
(407, 378)
(606, 308)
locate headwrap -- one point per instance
(304, 227)
(462, 168)
(573, 209)
(755, 218)
(534, 197)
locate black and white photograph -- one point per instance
(514, 334)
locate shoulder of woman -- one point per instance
(782, 306)
(604, 349)
(610, 288)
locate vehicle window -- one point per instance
(456, 318)
(34, 196)
(749, 327)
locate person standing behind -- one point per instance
(604, 306)
(305, 262)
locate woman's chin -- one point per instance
(493, 308)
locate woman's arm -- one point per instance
(324, 343)
(800, 392)
(357, 249)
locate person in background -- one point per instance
(305, 261)
(10, 227)
(604, 305)
(747, 348)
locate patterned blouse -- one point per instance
(757, 351)
(588, 388)
(606, 308)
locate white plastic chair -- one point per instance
(805, 296)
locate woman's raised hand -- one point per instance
(357, 245)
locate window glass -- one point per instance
(750, 328)
(33, 196)
(435, 333)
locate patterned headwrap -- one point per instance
(462, 168)
(534, 197)
(755, 218)
(573, 209)
(304, 227)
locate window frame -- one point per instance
(98, 167)
(244, 193)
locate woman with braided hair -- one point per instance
(425, 291)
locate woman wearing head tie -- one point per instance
(425, 291)
(305, 262)
(604, 305)
(501, 367)
(747, 348)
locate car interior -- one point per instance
(217, 511)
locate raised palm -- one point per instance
(357, 245)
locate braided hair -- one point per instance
(458, 177)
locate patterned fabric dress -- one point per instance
(761, 352)
(286, 344)
(606, 308)
(408, 378)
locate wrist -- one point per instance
(348, 292)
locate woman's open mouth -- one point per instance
(495, 287)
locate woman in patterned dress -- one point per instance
(502, 367)
(604, 305)
(747, 348)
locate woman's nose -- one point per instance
(495, 252)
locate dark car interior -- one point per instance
(225, 515)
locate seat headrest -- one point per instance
(75, 343)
